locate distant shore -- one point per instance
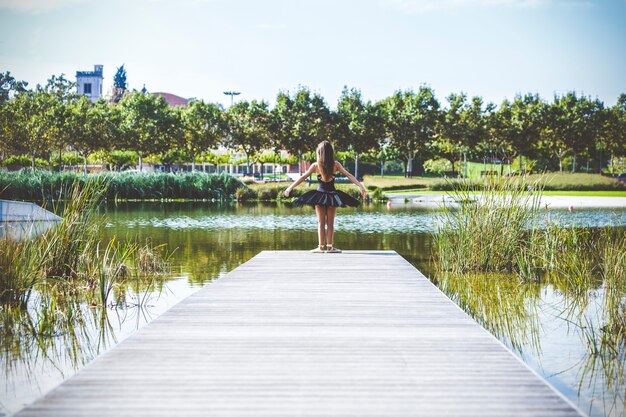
(432, 200)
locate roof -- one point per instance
(172, 99)
(89, 74)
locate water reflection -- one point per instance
(24, 229)
(48, 342)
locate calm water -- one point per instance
(539, 322)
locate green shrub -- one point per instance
(437, 166)
(24, 161)
(244, 194)
(378, 195)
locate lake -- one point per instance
(540, 322)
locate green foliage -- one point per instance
(55, 275)
(24, 161)
(9, 85)
(497, 230)
(408, 125)
(249, 124)
(359, 125)
(617, 165)
(119, 84)
(71, 158)
(302, 121)
(551, 182)
(377, 194)
(244, 194)
(205, 126)
(150, 126)
(411, 121)
(437, 166)
(43, 185)
(486, 232)
(118, 160)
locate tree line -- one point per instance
(409, 126)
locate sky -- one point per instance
(201, 48)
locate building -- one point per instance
(90, 83)
(172, 99)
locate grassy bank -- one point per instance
(45, 185)
(558, 182)
(390, 183)
(550, 182)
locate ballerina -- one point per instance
(326, 198)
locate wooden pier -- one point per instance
(362, 333)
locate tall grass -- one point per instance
(487, 232)
(55, 288)
(37, 185)
(498, 230)
(72, 251)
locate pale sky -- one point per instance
(200, 48)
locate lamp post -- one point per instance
(232, 95)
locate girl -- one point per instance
(326, 198)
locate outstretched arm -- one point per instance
(351, 177)
(304, 176)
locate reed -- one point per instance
(498, 229)
(488, 231)
(45, 185)
(55, 288)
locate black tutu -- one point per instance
(326, 195)
(326, 198)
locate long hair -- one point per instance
(326, 159)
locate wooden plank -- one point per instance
(362, 333)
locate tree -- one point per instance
(38, 119)
(411, 121)
(462, 127)
(572, 125)
(612, 135)
(204, 125)
(513, 129)
(360, 124)
(9, 85)
(28, 112)
(148, 124)
(90, 127)
(119, 84)
(249, 128)
(302, 121)
(62, 95)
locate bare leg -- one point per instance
(321, 225)
(330, 228)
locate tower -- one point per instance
(90, 82)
